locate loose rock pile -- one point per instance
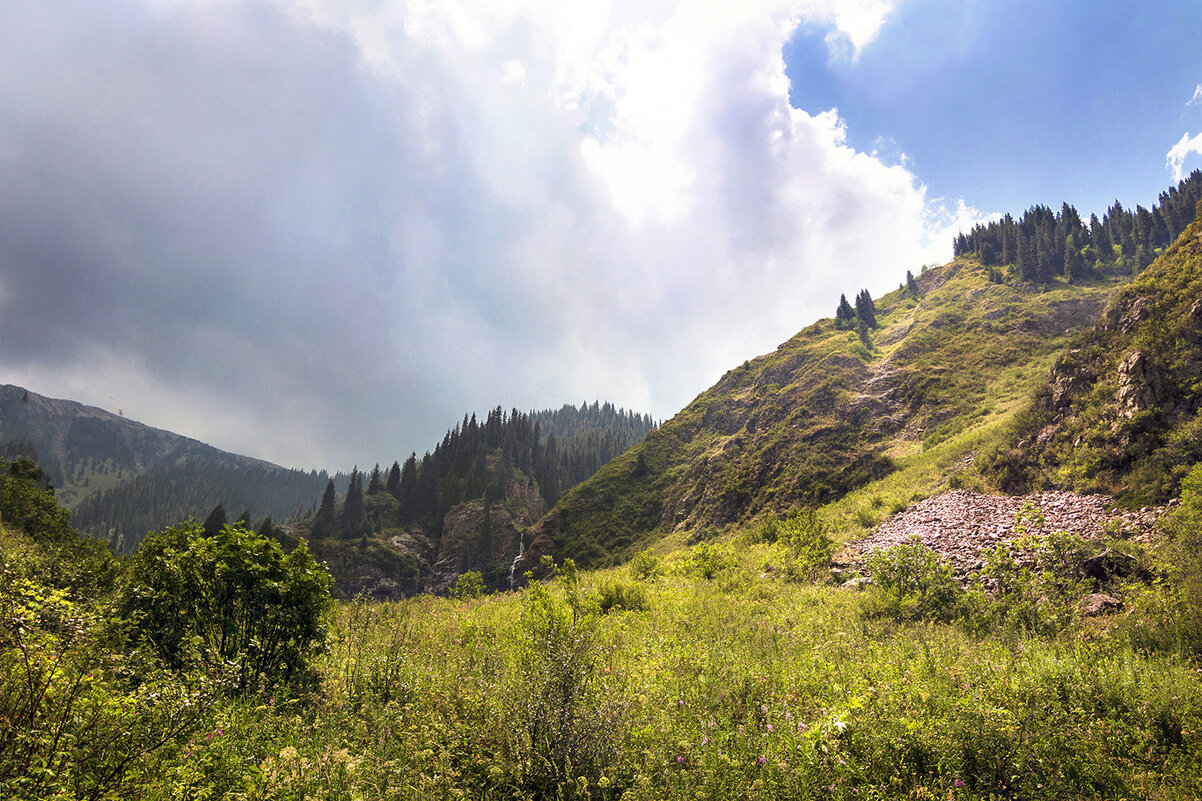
(958, 524)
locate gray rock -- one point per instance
(1098, 604)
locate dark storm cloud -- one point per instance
(320, 238)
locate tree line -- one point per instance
(1043, 244)
(556, 449)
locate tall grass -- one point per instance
(729, 683)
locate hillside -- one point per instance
(825, 413)
(958, 357)
(1121, 411)
(121, 478)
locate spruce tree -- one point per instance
(865, 309)
(376, 484)
(393, 485)
(215, 521)
(844, 315)
(352, 508)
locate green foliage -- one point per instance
(708, 560)
(803, 546)
(563, 731)
(911, 582)
(621, 595)
(1174, 615)
(233, 601)
(467, 586)
(645, 566)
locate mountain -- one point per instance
(960, 363)
(122, 479)
(466, 505)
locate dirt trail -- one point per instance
(959, 523)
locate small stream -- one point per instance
(521, 552)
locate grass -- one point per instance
(737, 686)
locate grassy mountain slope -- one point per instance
(1121, 411)
(826, 413)
(122, 478)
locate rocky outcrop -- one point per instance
(1142, 385)
(959, 524)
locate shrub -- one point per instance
(621, 595)
(708, 560)
(910, 583)
(467, 586)
(230, 600)
(564, 732)
(804, 545)
(646, 566)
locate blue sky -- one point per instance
(1009, 104)
(319, 232)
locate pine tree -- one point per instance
(352, 508)
(325, 512)
(844, 314)
(865, 309)
(393, 485)
(215, 521)
(376, 484)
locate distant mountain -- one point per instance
(122, 479)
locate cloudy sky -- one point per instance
(319, 231)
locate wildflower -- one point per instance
(961, 784)
(680, 760)
(769, 728)
(763, 760)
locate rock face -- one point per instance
(957, 525)
(1141, 384)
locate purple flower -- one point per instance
(680, 760)
(769, 727)
(959, 783)
(763, 760)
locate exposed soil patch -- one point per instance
(958, 524)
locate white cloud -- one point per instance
(1175, 158)
(423, 208)
(1197, 98)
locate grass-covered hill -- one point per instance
(1087, 381)
(830, 411)
(122, 478)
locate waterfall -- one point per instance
(521, 552)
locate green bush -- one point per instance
(467, 586)
(563, 732)
(621, 595)
(910, 582)
(708, 560)
(230, 602)
(645, 567)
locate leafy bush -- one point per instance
(645, 567)
(468, 585)
(807, 547)
(708, 560)
(1173, 617)
(910, 582)
(233, 599)
(621, 595)
(564, 732)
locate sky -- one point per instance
(319, 232)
